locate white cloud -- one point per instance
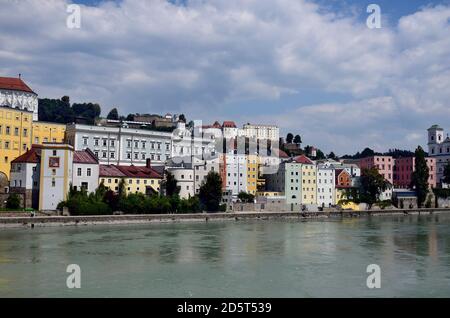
(152, 56)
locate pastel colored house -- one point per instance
(404, 168)
(384, 164)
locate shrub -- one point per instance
(13, 201)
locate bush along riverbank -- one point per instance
(105, 201)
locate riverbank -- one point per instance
(27, 221)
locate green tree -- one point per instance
(113, 114)
(331, 155)
(320, 155)
(446, 178)
(211, 191)
(289, 138)
(419, 180)
(297, 139)
(372, 185)
(13, 201)
(246, 197)
(182, 118)
(170, 185)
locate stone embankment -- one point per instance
(28, 221)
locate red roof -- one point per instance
(282, 154)
(15, 84)
(303, 159)
(31, 156)
(139, 172)
(229, 124)
(84, 156)
(110, 171)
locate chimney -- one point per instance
(148, 163)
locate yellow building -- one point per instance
(15, 135)
(18, 132)
(47, 132)
(309, 186)
(137, 179)
(252, 173)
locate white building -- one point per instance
(85, 170)
(439, 148)
(121, 145)
(236, 173)
(325, 185)
(184, 175)
(201, 170)
(24, 176)
(15, 93)
(270, 132)
(55, 174)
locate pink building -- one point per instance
(404, 167)
(385, 165)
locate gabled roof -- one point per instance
(282, 154)
(139, 172)
(15, 84)
(110, 171)
(303, 159)
(84, 156)
(31, 156)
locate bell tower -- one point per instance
(435, 137)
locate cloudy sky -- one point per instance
(312, 67)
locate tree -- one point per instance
(289, 138)
(331, 155)
(113, 114)
(13, 201)
(372, 185)
(297, 139)
(419, 180)
(246, 197)
(170, 185)
(320, 155)
(446, 178)
(182, 118)
(211, 191)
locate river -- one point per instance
(261, 258)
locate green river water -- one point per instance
(288, 258)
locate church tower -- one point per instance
(435, 137)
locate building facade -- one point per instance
(14, 93)
(325, 186)
(55, 175)
(384, 164)
(438, 148)
(121, 145)
(404, 168)
(270, 132)
(85, 171)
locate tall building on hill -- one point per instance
(14, 93)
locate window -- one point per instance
(7, 130)
(104, 142)
(53, 183)
(112, 155)
(96, 142)
(112, 143)
(84, 185)
(79, 172)
(104, 155)
(16, 131)
(85, 141)
(54, 152)
(88, 172)
(36, 140)
(129, 143)
(25, 132)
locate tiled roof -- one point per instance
(84, 156)
(31, 156)
(229, 124)
(282, 154)
(15, 84)
(110, 171)
(139, 172)
(303, 159)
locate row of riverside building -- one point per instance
(40, 161)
